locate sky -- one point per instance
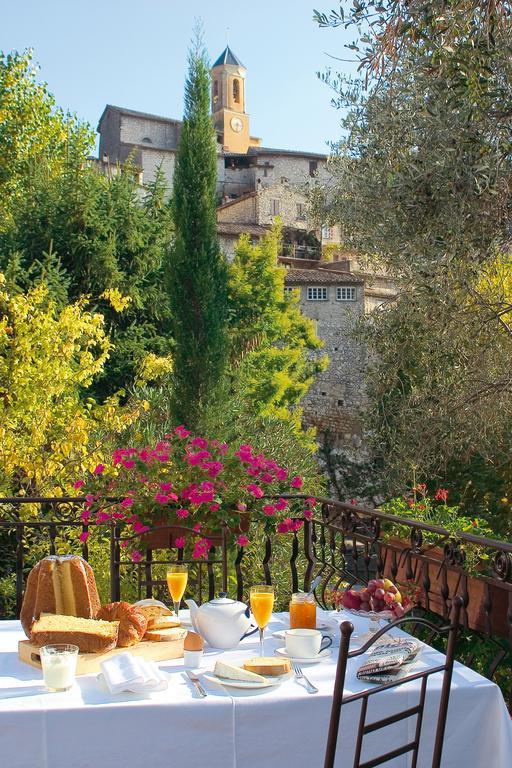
(132, 53)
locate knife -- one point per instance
(195, 680)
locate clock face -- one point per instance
(236, 124)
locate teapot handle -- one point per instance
(249, 632)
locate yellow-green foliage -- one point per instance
(273, 343)
(50, 434)
(34, 133)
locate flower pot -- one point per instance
(487, 598)
(164, 534)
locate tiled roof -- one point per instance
(293, 152)
(135, 113)
(230, 228)
(320, 277)
(228, 57)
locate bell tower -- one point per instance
(228, 102)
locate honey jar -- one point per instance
(302, 611)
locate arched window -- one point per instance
(236, 91)
(215, 90)
(146, 140)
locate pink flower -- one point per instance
(222, 448)
(308, 513)
(269, 510)
(125, 543)
(242, 541)
(213, 468)
(255, 491)
(182, 513)
(98, 469)
(197, 527)
(144, 455)
(127, 503)
(296, 482)
(282, 527)
(78, 484)
(182, 432)
(85, 516)
(139, 527)
(241, 506)
(102, 517)
(267, 478)
(84, 536)
(281, 504)
(441, 495)
(179, 542)
(199, 442)
(201, 549)
(281, 474)
(161, 498)
(311, 501)
(162, 457)
(165, 487)
(128, 463)
(214, 507)
(136, 556)
(354, 502)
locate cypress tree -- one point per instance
(197, 269)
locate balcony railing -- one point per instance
(294, 251)
(342, 543)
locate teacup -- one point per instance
(305, 643)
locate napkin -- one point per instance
(389, 661)
(126, 672)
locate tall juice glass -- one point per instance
(262, 605)
(177, 577)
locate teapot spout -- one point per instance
(193, 607)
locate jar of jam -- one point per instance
(302, 611)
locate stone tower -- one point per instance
(228, 103)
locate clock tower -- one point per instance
(228, 103)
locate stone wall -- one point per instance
(162, 134)
(334, 400)
(239, 211)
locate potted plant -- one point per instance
(186, 488)
(448, 575)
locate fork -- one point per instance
(195, 680)
(299, 674)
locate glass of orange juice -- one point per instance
(177, 577)
(262, 605)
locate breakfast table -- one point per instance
(87, 727)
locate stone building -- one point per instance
(256, 184)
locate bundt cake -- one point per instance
(60, 585)
(132, 623)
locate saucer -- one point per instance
(330, 628)
(322, 656)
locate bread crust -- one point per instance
(132, 623)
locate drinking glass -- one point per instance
(262, 605)
(177, 577)
(59, 666)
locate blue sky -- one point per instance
(132, 53)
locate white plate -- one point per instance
(321, 656)
(271, 682)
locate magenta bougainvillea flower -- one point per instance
(196, 483)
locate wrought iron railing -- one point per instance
(342, 543)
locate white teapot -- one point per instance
(222, 622)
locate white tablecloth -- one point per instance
(272, 728)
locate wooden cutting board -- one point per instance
(90, 662)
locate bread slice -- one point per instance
(152, 608)
(159, 635)
(91, 635)
(163, 622)
(229, 672)
(268, 665)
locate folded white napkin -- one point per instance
(126, 672)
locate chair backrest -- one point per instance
(339, 700)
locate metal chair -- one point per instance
(338, 700)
